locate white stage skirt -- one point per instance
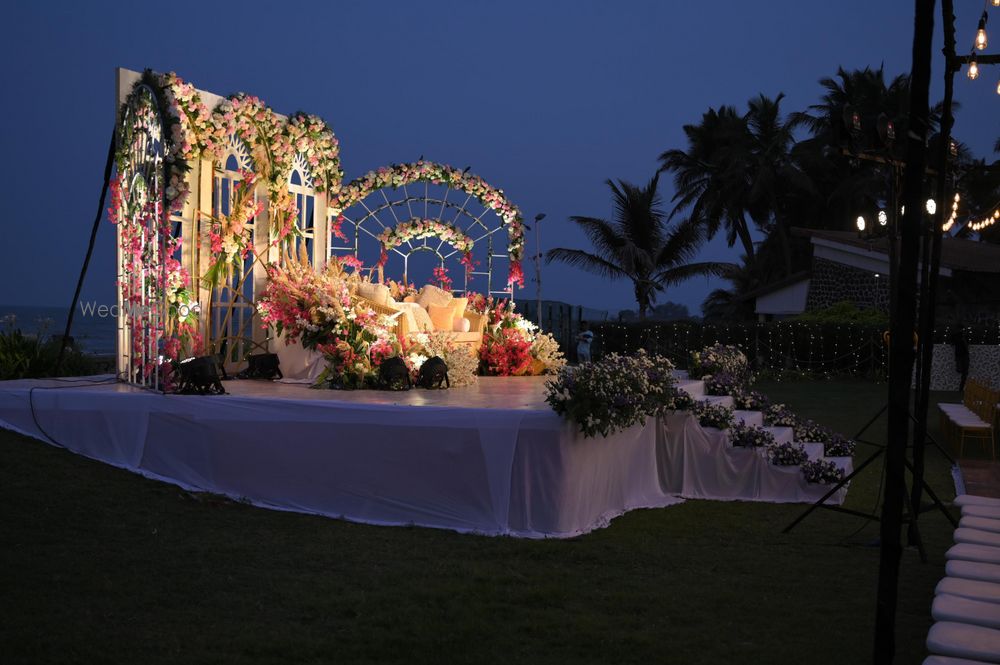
(497, 471)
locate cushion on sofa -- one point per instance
(432, 295)
(443, 317)
(377, 293)
(458, 305)
(461, 325)
(422, 321)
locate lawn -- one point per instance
(100, 565)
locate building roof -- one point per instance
(956, 254)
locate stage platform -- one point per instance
(492, 458)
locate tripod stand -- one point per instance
(914, 531)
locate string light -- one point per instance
(954, 214)
(981, 40)
(973, 71)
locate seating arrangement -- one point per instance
(973, 419)
(966, 607)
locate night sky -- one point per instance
(545, 100)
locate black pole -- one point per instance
(90, 251)
(928, 310)
(901, 332)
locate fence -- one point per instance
(561, 320)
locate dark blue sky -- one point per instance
(545, 100)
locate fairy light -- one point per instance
(973, 71)
(954, 214)
(981, 39)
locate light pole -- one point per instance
(538, 271)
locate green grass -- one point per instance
(100, 565)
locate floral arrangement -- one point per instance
(721, 383)
(463, 364)
(230, 235)
(678, 399)
(441, 277)
(750, 400)
(748, 436)
(787, 454)
(807, 430)
(399, 290)
(355, 345)
(547, 356)
(506, 352)
(719, 416)
(247, 117)
(613, 393)
(479, 303)
(779, 415)
(310, 137)
(822, 471)
(415, 229)
(398, 175)
(839, 446)
(720, 358)
(304, 304)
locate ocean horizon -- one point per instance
(93, 333)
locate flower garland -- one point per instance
(718, 416)
(312, 138)
(415, 229)
(230, 235)
(247, 117)
(398, 175)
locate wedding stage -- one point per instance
(491, 458)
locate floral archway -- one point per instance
(365, 209)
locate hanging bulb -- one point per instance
(996, 3)
(973, 71)
(998, 87)
(981, 41)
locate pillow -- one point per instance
(442, 317)
(458, 306)
(432, 295)
(377, 293)
(417, 316)
(461, 325)
(412, 299)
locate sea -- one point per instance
(93, 333)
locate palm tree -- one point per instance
(710, 176)
(636, 245)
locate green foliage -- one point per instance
(34, 356)
(845, 311)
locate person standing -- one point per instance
(961, 356)
(583, 340)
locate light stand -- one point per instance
(538, 270)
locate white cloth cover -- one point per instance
(974, 510)
(521, 472)
(948, 660)
(964, 641)
(981, 523)
(968, 552)
(947, 607)
(977, 537)
(973, 570)
(973, 500)
(700, 463)
(975, 589)
(297, 362)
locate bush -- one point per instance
(34, 356)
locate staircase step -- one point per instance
(782, 434)
(813, 450)
(695, 389)
(749, 418)
(680, 374)
(724, 400)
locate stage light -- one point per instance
(973, 71)
(883, 218)
(931, 206)
(860, 223)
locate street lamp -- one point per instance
(538, 271)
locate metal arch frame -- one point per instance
(371, 212)
(307, 188)
(146, 164)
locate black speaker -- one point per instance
(199, 376)
(433, 373)
(393, 374)
(264, 366)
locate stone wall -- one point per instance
(833, 282)
(984, 364)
